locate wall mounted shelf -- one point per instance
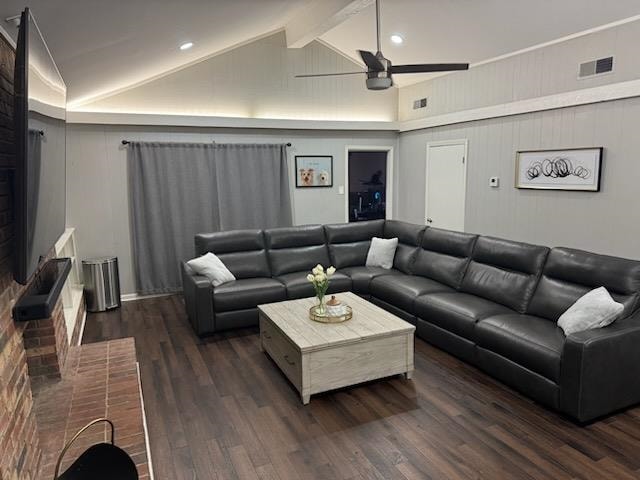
(41, 297)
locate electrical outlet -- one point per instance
(419, 103)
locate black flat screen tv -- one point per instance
(40, 125)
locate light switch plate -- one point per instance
(341, 190)
(494, 182)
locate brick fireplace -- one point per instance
(50, 387)
(19, 442)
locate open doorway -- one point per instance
(368, 178)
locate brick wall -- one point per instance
(46, 344)
(19, 445)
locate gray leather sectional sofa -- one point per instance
(492, 302)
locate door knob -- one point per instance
(429, 220)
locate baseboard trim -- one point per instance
(82, 324)
(130, 297)
(144, 424)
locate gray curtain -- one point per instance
(179, 189)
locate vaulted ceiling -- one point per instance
(109, 46)
(471, 30)
(106, 45)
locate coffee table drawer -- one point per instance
(282, 351)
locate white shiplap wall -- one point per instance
(607, 221)
(257, 81)
(537, 73)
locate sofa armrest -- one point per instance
(198, 300)
(601, 370)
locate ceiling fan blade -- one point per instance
(371, 61)
(429, 67)
(327, 74)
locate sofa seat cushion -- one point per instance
(362, 276)
(457, 312)
(247, 293)
(297, 285)
(402, 290)
(532, 342)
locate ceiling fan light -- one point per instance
(379, 83)
(397, 39)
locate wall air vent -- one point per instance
(420, 103)
(596, 67)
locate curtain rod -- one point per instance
(127, 142)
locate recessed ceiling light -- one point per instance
(186, 46)
(397, 39)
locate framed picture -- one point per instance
(570, 169)
(314, 171)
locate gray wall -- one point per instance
(97, 203)
(544, 71)
(606, 222)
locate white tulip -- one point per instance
(331, 271)
(310, 277)
(320, 277)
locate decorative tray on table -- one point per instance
(334, 312)
(326, 318)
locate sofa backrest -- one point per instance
(444, 255)
(409, 236)
(296, 249)
(242, 251)
(568, 274)
(505, 272)
(349, 242)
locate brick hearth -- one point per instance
(99, 380)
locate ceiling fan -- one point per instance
(380, 70)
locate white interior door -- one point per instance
(446, 184)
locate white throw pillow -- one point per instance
(595, 309)
(211, 267)
(381, 252)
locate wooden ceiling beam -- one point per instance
(320, 17)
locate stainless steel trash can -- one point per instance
(101, 283)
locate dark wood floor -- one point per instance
(220, 409)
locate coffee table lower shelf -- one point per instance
(329, 367)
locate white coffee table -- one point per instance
(317, 357)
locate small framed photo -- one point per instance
(314, 171)
(571, 169)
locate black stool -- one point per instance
(103, 461)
